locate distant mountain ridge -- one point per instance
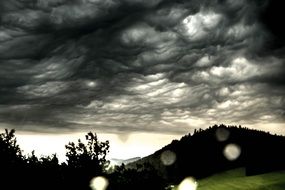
(116, 161)
(217, 149)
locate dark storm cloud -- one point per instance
(122, 65)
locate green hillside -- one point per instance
(236, 180)
(202, 154)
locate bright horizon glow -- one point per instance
(135, 145)
(122, 146)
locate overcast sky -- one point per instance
(141, 66)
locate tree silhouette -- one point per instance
(85, 161)
(144, 176)
(10, 152)
(11, 160)
(93, 154)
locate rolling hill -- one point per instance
(237, 180)
(218, 149)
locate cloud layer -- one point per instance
(133, 65)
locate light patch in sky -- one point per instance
(197, 26)
(56, 68)
(240, 31)
(25, 18)
(4, 36)
(138, 144)
(45, 144)
(228, 104)
(204, 61)
(44, 90)
(224, 92)
(143, 34)
(239, 69)
(91, 84)
(190, 121)
(275, 128)
(234, 3)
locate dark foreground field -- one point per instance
(236, 180)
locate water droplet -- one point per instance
(168, 157)
(91, 84)
(188, 183)
(232, 152)
(222, 134)
(99, 183)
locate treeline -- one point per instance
(85, 160)
(198, 155)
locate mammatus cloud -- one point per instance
(124, 66)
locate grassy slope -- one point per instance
(236, 180)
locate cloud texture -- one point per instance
(133, 65)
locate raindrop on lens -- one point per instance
(99, 183)
(222, 134)
(91, 84)
(188, 183)
(232, 152)
(168, 157)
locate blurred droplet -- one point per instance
(222, 134)
(188, 183)
(168, 157)
(232, 152)
(99, 183)
(91, 84)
